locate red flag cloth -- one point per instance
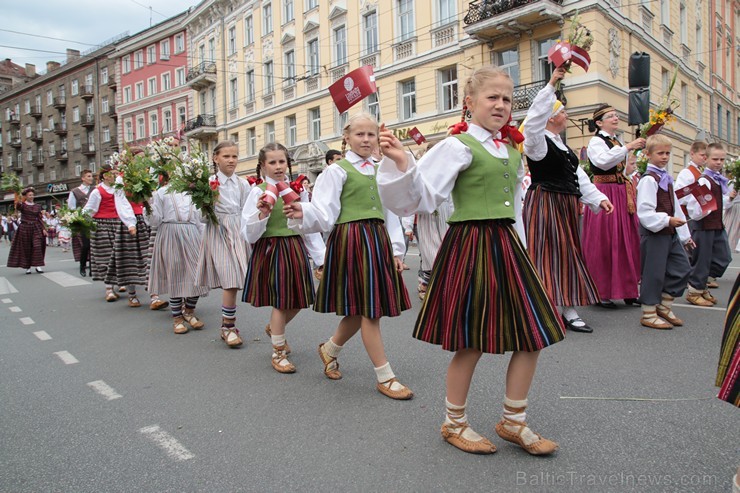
(282, 190)
(562, 53)
(353, 88)
(701, 193)
(417, 136)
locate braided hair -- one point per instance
(274, 146)
(357, 116)
(219, 147)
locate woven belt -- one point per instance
(621, 180)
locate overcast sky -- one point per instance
(82, 24)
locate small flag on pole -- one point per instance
(353, 88)
(417, 136)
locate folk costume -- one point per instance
(28, 247)
(732, 223)
(80, 243)
(430, 230)
(728, 371)
(686, 177)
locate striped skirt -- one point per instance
(175, 261)
(77, 247)
(554, 245)
(728, 373)
(485, 294)
(431, 229)
(223, 258)
(28, 247)
(279, 274)
(359, 273)
(101, 248)
(130, 256)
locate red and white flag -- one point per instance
(353, 88)
(279, 189)
(417, 136)
(701, 194)
(562, 53)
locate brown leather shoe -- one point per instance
(192, 320)
(134, 302)
(665, 313)
(231, 337)
(332, 372)
(403, 394)
(708, 296)
(157, 304)
(655, 322)
(110, 296)
(455, 438)
(698, 300)
(543, 446)
(268, 331)
(278, 356)
(179, 326)
(712, 284)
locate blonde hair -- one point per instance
(655, 141)
(217, 150)
(472, 85)
(352, 119)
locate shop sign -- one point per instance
(56, 187)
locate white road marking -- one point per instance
(15, 309)
(27, 321)
(65, 280)
(6, 287)
(104, 389)
(701, 307)
(167, 442)
(42, 335)
(68, 260)
(67, 358)
(7, 300)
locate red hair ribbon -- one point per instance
(511, 132)
(458, 128)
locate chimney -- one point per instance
(30, 70)
(51, 66)
(72, 54)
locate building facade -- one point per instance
(724, 66)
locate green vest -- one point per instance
(360, 199)
(486, 189)
(277, 222)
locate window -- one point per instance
(340, 45)
(140, 131)
(138, 59)
(104, 75)
(719, 120)
(28, 131)
(665, 13)
(699, 40)
(248, 30)
(203, 100)
(75, 114)
(139, 90)
(127, 94)
(27, 106)
(288, 14)
(683, 24)
(49, 97)
(291, 131)
(153, 125)
(104, 106)
(665, 79)
(372, 105)
(181, 115)
(699, 111)
(544, 67)
(126, 64)
(76, 143)
(311, 4)
(267, 19)
(251, 141)
(180, 76)
(729, 126)
(340, 120)
(75, 87)
(233, 94)
(89, 81)
(250, 86)
(128, 133)
(269, 78)
(684, 99)
(152, 89)
(151, 54)
(51, 123)
(164, 49)
(405, 19)
(370, 32)
(167, 121)
(52, 149)
(289, 68)
(314, 122)
(269, 132)
(213, 100)
(211, 50)
(106, 134)
(166, 81)
(446, 11)
(202, 53)
(62, 91)
(408, 99)
(448, 88)
(179, 43)
(313, 57)
(232, 40)
(507, 60)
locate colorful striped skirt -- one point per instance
(554, 245)
(279, 274)
(359, 273)
(223, 258)
(101, 248)
(130, 256)
(28, 247)
(485, 294)
(175, 261)
(728, 372)
(77, 247)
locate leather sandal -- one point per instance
(268, 331)
(279, 354)
(331, 365)
(230, 336)
(455, 438)
(698, 300)
(653, 321)
(403, 394)
(133, 302)
(667, 314)
(708, 296)
(318, 272)
(157, 304)
(712, 284)
(422, 290)
(110, 296)
(543, 446)
(192, 320)
(179, 326)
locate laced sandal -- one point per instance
(698, 299)
(179, 326)
(402, 394)
(712, 284)
(231, 337)
(708, 296)
(122, 289)
(268, 331)
(653, 321)
(318, 272)
(543, 446)
(422, 290)
(280, 360)
(134, 302)
(157, 304)
(193, 321)
(667, 314)
(331, 365)
(110, 296)
(456, 439)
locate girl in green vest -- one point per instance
(279, 272)
(362, 273)
(484, 295)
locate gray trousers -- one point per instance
(711, 256)
(665, 267)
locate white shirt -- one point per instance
(123, 207)
(252, 228)
(170, 207)
(423, 187)
(72, 201)
(321, 213)
(601, 156)
(650, 219)
(232, 193)
(535, 145)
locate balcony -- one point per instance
(39, 162)
(60, 128)
(60, 102)
(36, 111)
(14, 119)
(87, 120)
(202, 76)
(86, 92)
(112, 84)
(37, 136)
(62, 156)
(524, 95)
(88, 149)
(112, 144)
(489, 19)
(15, 141)
(112, 111)
(202, 127)
(1, 148)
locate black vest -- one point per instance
(82, 197)
(556, 172)
(616, 170)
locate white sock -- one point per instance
(528, 436)
(384, 374)
(693, 290)
(278, 340)
(571, 314)
(456, 417)
(332, 350)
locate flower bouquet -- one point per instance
(12, 182)
(163, 155)
(192, 175)
(642, 162)
(574, 49)
(137, 182)
(732, 168)
(79, 221)
(663, 113)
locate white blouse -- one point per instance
(232, 193)
(171, 207)
(72, 200)
(601, 156)
(123, 207)
(650, 219)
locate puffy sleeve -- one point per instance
(252, 227)
(322, 212)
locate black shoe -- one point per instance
(607, 304)
(83, 272)
(632, 302)
(577, 328)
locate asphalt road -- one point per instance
(131, 406)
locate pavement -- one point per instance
(97, 396)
